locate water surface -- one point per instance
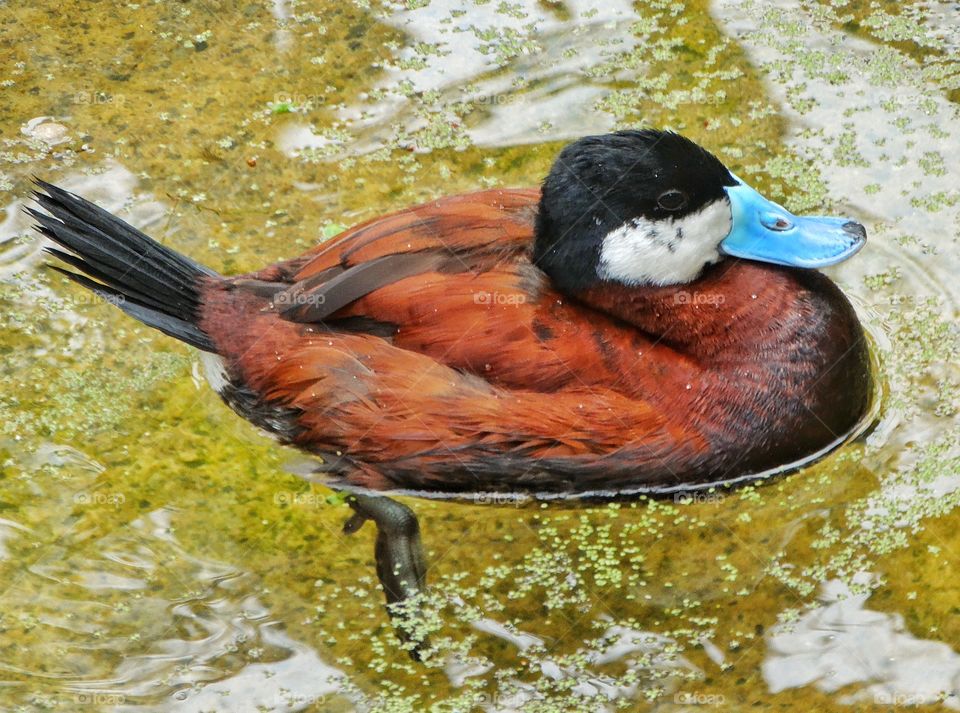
(158, 554)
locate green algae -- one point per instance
(191, 98)
(905, 28)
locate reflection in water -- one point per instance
(281, 12)
(207, 646)
(112, 188)
(47, 130)
(640, 653)
(880, 136)
(883, 135)
(10, 530)
(490, 58)
(590, 608)
(512, 78)
(295, 680)
(843, 644)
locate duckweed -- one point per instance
(141, 517)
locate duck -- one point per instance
(643, 321)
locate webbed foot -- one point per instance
(401, 565)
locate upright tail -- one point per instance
(148, 281)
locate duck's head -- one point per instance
(654, 208)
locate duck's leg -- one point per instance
(401, 565)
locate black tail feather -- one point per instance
(148, 281)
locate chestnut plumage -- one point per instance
(486, 342)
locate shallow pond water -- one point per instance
(159, 554)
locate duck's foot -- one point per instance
(401, 565)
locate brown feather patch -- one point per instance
(313, 300)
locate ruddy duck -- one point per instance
(645, 320)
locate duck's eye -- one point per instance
(672, 200)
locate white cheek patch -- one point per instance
(665, 252)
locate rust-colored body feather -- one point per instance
(424, 350)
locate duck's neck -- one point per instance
(766, 356)
(763, 355)
(734, 307)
